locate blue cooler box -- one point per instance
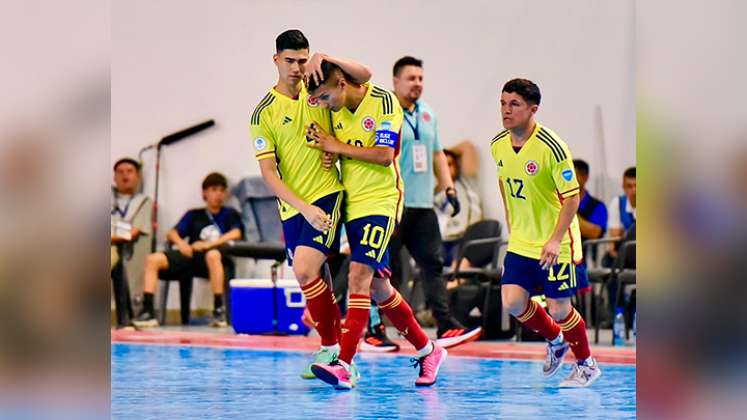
(251, 306)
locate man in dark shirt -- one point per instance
(592, 213)
(197, 237)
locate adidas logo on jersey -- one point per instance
(286, 120)
(338, 126)
(563, 286)
(500, 163)
(318, 239)
(371, 254)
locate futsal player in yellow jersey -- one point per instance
(541, 196)
(366, 121)
(309, 196)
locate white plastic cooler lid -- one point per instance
(264, 283)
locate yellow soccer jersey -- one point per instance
(371, 189)
(277, 130)
(535, 181)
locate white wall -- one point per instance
(178, 62)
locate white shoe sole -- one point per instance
(330, 378)
(574, 384)
(153, 323)
(377, 349)
(449, 342)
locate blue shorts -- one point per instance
(556, 283)
(369, 242)
(582, 278)
(297, 231)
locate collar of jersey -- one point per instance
(536, 130)
(369, 88)
(282, 96)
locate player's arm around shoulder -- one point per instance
(328, 143)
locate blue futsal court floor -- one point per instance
(180, 382)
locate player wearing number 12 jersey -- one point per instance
(541, 196)
(366, 121)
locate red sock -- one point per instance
(359, 307)
(574, 333)
(535, 317)
(399, 312)
(323, 310)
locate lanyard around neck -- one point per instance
(415, 126)
(122, 212)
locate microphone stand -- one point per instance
(165, 141)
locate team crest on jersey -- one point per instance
(426, 117)
(260, 143)
(368, 123)
(312, 101)
(531, 168)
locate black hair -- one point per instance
(328, 68)
(214, 179)
(406, 61)
(457, 162)
(524, 88)
(629, 173)
(129, 160)
(292, 39)
(448, 152)
(581, 166)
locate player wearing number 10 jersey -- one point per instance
(366, 121)
(541, 196)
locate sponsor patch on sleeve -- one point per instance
(386, 138)
(567, 174)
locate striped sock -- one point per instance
(359, 307)
(323, 310)
(400, 313)
(535, 318)
(574, 330)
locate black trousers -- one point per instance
(419, 232)
(121, 289)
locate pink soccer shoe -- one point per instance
(429, 366)
(336, 374)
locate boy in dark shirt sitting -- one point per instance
(197, 237)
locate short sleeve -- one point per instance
(437, 146)
(389, 126)
(613, 214)
(263, 140)
(142, 219)
(564, 174)
(599, 217)
(182, 227)
(233, 221)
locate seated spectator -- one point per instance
(197, 237)
(464, 165)
(592, 213)
(622, 212)
(130, 220)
